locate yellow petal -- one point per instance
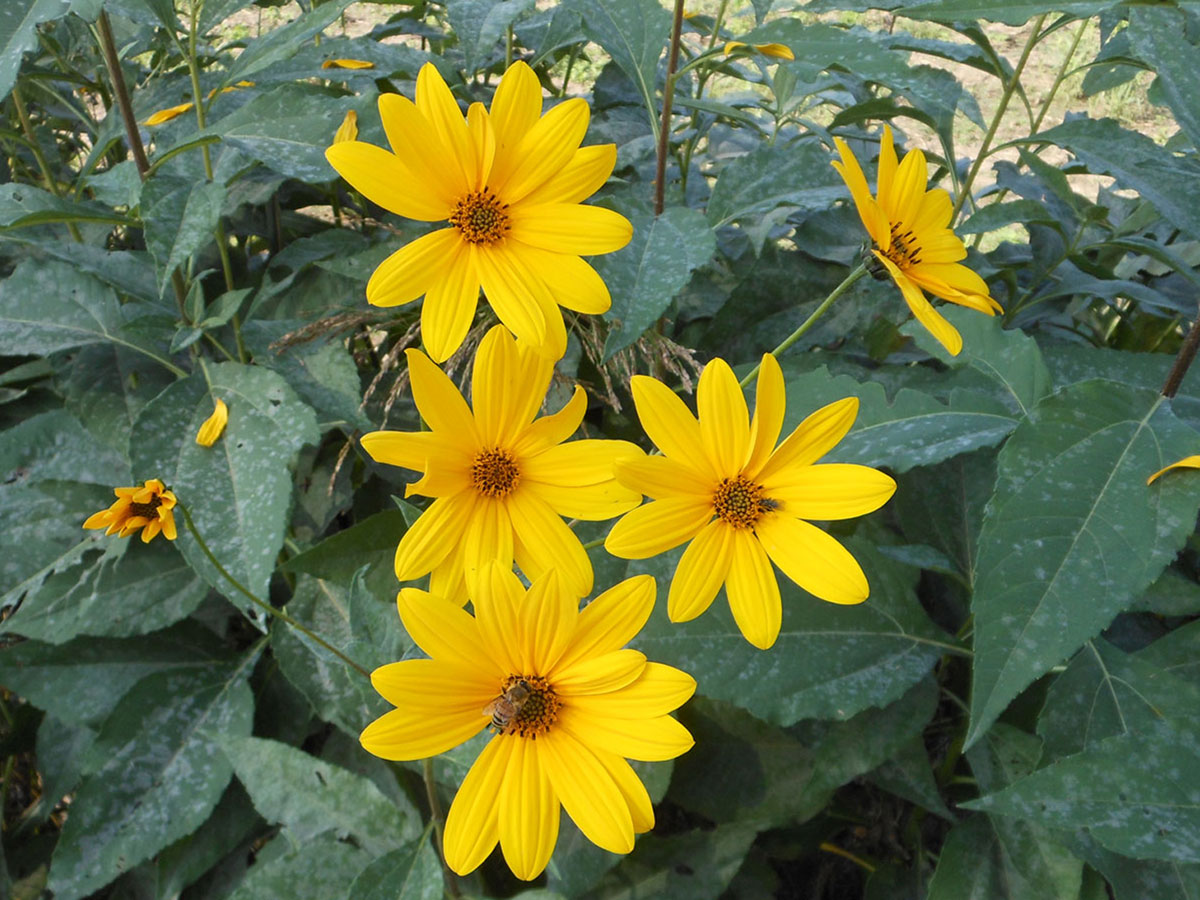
(887, 164)
(656, 691)
(585, 174)
(443, 630)
(439, 402)
(572, 282)
(482, 142)
(488, 538)
(631, 789)
(545, 149)
(587, 791)
(570, 228)
(589, 502)
(450, 303)
(433, 536)
(658, 477)
(437, 104)
(903, 202)
(497, 604)
(610, 621)
(945, 333)
(831, 491)
(348, 130)
(527, 813)
(812, 559)
(753, 592)
(819, 433)
(775, 50)
(167, 520)
(548, 431)
(151, 530)
(414, 733)
(166, 115)
(507, 388)
(580, 463)
(214, 425)
(510, 292)
(724, 419)
(101, 519)
(383, 178)
(414, 140)
(647, 739)
(869, 212)
(770, 403)
(657, 527)
(670, 425)
(472, 828)
(516, 107)
(347, 64)
(702, 570)
(414, 268)
(731, 46)
(599, 674)
(549, 543)
(1188, 462)
(435, 685)
(408, 449)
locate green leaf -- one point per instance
(310, 797)
(81, 681)
(829, 662)
(180, 216)
(1173, 594)
(18, 33)
(372, 542)
(1177, 654)
(1159, 37)
(412, 872)
(908, 774)
(1135, 879)
(646, 275)
(133, 589)
(797, 176)
(1074, 533)
(1015, 13)
(239, 490)
(280, 43)
(22, 205)
(913, 430)
(1105, 692)
(1130, 791)
(479, 25)
(158, 773)
(317, 870)
(634, 33)
(1006, 356)
(1136, 162)
(996, 215)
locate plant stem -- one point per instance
(263, 604)
(39, 157)
(1009, 89)
(811, 320)
(437, 818)
(1183, 360)
(664, 129)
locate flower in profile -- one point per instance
(1188, 462)
(722, 484)
(348, 130)
(911, 239)
(774, 50)
(501, 480)
(567, 705)
(214, 425)
(509, 182)
(147, 507)
(347, 64)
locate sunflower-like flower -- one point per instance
(722, 484)
(501, 479)
(509, 182)
(147, 507)
(911, 239)
(567, 704)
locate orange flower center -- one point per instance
(494, 473)
(527, 706)
(740, 502)
(480, 217)
(148, 510)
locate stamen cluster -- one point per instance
(538, 712)
(494, 473)
(480, 217)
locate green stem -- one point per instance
(39, 157)
(262, 604)
(437, 818)
(811, 320)
(1005, 97)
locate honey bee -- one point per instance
(508, 705)
(766, 504)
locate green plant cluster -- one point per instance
(1015, 711)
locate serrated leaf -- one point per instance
(310, 797)
(281, 43)
(1074, 533)
(317, 870)
(908, 774)
(914, 429)
(1147, 810)
(158, 776)
(371, 542)
(22, 205)
(412, 872)
(18, 33)
(1137, 879)
(829, 661)
(1159, 37)
(479, 25)
(797, 176)
(634, 33)
(180, 216)
(646, 275)
(238, 490)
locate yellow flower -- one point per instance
(214, 425)
(567, 704)
(1188, 462)
(500, 479)
(166, 115)
(347, 64)
(911, 239)
(510, 184)
(777, 51)
(147, 507)
(348, 130)
(722, 484)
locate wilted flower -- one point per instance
(147, 507)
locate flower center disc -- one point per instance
(480, 217)
(740, 502)
(538, 711)
(494, 473)
(149, 510)
(904, 251)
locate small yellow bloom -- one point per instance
(911, 239)
(1188, 462)
(348, 130)
(214, 425)
(509, 184)
(567, 705)
(347, 64)
(501, 480)
(147, 507)
(722, 484)
(777, 51)
(166, 115)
